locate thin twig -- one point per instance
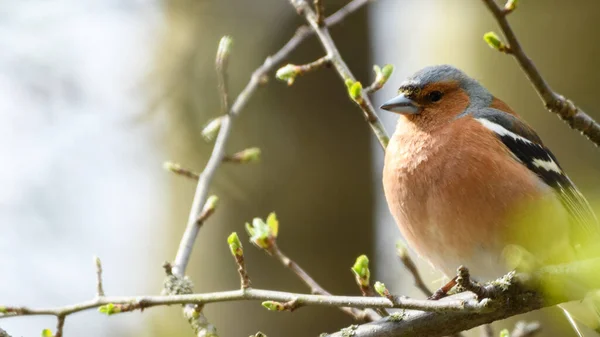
(410, 265)
(178, 170)
(132, 303)
(342, 69)
(443, 291)
(320, 10)
(99, 286)
(315, 288)
(60, 324)
(566, 110)
(191, 232)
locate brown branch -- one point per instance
(430, 318)
(342, 69)
(315, 288)
(464, 280)
(60, 324)
(514, 297)
(320, 10)
(410, 265)
(566, 110)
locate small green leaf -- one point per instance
(250, 155)
(361, 269)
(380, 288)
(348, 82)
(387, 71)
(249, 229)
(3, 310)
(211, 204)
(273, 306)
(493, 40)
(504, 333)
(211, 129)
(355, 91)
(47, 333)
(273, 224)
(109, 309)
(511, 5)
(287, 73)
(171, 166)
(377, 71)
(401, 249)
(235, 245)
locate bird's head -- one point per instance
(438, 93)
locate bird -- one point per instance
(469, 182)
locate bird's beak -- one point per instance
(401, 104)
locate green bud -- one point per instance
(377, 70)
(355, 91)
(273, 224)
(273, 306)
(224, 48)
(494, 41)
(504, 333)
(109, 309)
(387, 71)
(249, 229)
(511, 5)
(250, 155)
(361, 270)
(97, 262)
(348, 82)
(381, 289)
(287, 73)
(263, 233)
(211, 204)
(401, 249)
(47, 333)
(3, 310)
(171, 166)
(211, 129)
(235, 245)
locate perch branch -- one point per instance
(513, 297)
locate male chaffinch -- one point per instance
(464, 176)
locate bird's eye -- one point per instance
(435, 96)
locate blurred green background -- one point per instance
(320, 169)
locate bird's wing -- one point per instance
(528, 149)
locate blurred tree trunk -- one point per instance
(416, 33)
(315, 172)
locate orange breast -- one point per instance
(453, 194)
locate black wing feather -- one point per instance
(527, 148)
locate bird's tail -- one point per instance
(583, 313)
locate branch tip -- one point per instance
(99, 286)
(494, 41)
(249, 155)
(235, 246)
